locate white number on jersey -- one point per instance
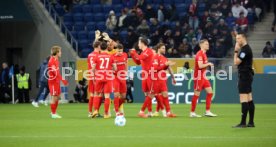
(104, 63)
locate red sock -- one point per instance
(56, 106)
(150, 105)
(96, 103)
(160, 105)
(116, 104)
(145, 104)
(208, 101)
(106, 105)
(121, 102)
(53, 108)
(90, 104)
(194, 101)
(167, 104)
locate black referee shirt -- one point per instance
(247, 59)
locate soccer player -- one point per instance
(120, 88)
(200, 80)
(54, 80)
(160, 86)
(91, 84)
(243, 58)
(102, 67)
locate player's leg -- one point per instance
(209, 96)
(198, 84)
(123, 91)
(251, 111)
(244, 110)
(107, 89)
(166, 102)
(55, 93)
(91, 97)
(146, 101)
(97, 98)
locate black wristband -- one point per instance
(236, 51)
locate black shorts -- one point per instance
(245, 82)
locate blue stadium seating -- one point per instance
(179, 2)
(117, 8)
(68, 17)
(82, 35)
(69, 25)
(78, 17)
(97, 8)
(83, 44)
(79, 26)
(85, 52)
(99, 17)
(116, 2)
(60, 10)
(101, 26)
(95, 2)
(91, 26)
(123, 34)
(87, 9)
(88, 17)
(91, 35)
(168, 2)
(182, 8)
(107, 8)
(77, 9)
(74, 34)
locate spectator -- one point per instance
(122, 18)
(67, 4)
(194, 43)
(153, 25)
(274, 21)
(80, 94)
(130, 39)
(116, 36)
(230, 21)
(177, 37)
(199, 35)
(24, 85)
(193, 19)
(173, 53)
(111, 21)
(173, 13)
(160, 13)
(185, 49)
(155, 37)
(131, 20)
(143, 28)
(4, 83)
(150, 12)
(268, 51)
(222, 26)
(237, 9)
(224, 10)
(141, 4)
(190, 35)
(219, 50)
(242, 23)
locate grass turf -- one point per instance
(24, 125)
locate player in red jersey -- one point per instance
(160, 87)
(200, 80)
(91, 81)
(103, 67)
(54, 80)
(120, 88)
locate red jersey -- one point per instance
(53, 71)
(200, 56)
(90, 61)
(104, 63)
(162, 63)
(159, 65)
(145, 58)
(120, 61)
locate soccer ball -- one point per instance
(120, 121)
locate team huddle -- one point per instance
(108, 71)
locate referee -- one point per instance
(243, 58)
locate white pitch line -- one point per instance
(118, 136)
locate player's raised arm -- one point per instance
(135, 56)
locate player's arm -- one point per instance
(114, 66)
(97, 35)
(171, 73)
(237, 60)
(201, 65)
(135, 56)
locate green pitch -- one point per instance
(24, 125)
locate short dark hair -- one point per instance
(144, 41)
(202, 41)
(159, 45)
(242, 34)
(119, 46)
(55, 50)
(104, 45)
(96, 44)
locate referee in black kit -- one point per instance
(243, 58)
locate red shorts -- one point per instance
(201, 84)
(91, 86)
(147, 85)
(120, 85)
(54, 89)
(103, 86)
(159, 86)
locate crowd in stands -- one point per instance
(180, 24)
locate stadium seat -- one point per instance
(88, 17)
(91, 26)
(74, 34)
(83, 44)
(177, 2)
(167, 2)
(91, 35)
(101, 26)
(188, 2)
(201, 7)
(182, 15)
(181, 8)
(77, 9)
(157, 1)
(250, 17)
(107, 8)
(82, 35)
(117, 8)
(79, 26)
(115, 2)
(85, 52)
(99, 17)
(68, 17)
(97, 8)
(78, 17)
(69, 25)
(87, 9)
(95, 2)
(123, 34)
